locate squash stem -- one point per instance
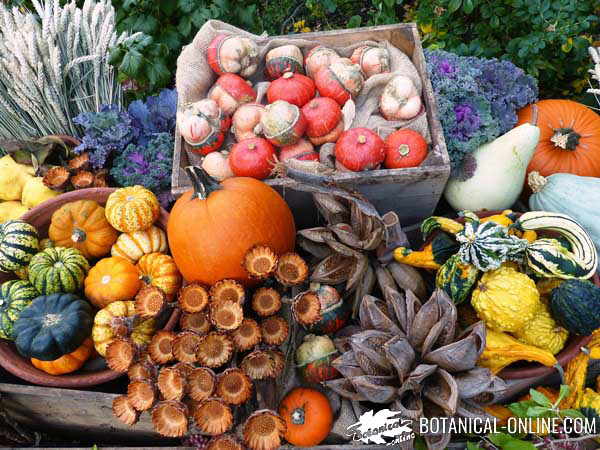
(203, 183)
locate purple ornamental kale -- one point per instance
(154, 115)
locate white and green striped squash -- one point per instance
(58, 269)
(18, 243)
(15, 296)
(547, 257)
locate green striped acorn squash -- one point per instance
(53, 326)
(575, 304)
(58, 269)
(457, 278)
(547, 257)
(15, 296)
(487, 245)
(18, 244)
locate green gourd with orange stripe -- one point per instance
(18, 244)
(58, 269)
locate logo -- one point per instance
(383, 424)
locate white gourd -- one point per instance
(499, 174)
(133, 246)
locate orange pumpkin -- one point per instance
(212, 227)
(569, 138)
(67, 363)
(82, 225)
(158, 269)
(110, 280)
(307, 415)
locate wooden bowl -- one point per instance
(524, 369)
(10, 359)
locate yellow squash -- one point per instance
(543, 332)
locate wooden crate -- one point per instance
(412, 193)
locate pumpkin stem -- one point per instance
(536, 181)
(566, 138)
(288, 75)
(298, 416)
(361, 139)
(202, 182)
(78, 235)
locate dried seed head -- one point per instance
(120, 354)
(201, 383)
(266, 301)
(264, 430)
(161, 347)
(198, 322)
(234, 386)
(170, 418)
(247, 335)
(193, 298)
(226, 315)
(184, 368)
(82, 179)
(56, 178)
(278, 359)
(260, 261)
(141, 394)
(100, 179)
(224, 442)
(124, 410)
(215, 349)
(306, 308)
(80, 162)
(227, 290)
(142, 370)
(171, 383)
(150, 302)
(185, 346)
(274, 330)
(213, 417)
(291, 270)
(258, 365)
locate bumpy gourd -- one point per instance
(506, 299)
(456, 278)
(543, 332)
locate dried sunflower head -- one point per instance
(264, 430)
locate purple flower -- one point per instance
(446, 67)
(467, 121)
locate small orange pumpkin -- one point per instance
(110, 280)
(307, 415)
(158, 269)
(67, 363)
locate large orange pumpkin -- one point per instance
(212, 227)
(67, 363)
(569, 138)
(307, 415)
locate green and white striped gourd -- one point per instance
(584, 255)
(486, 245)
(58, 269)
(547, 257)
(18, 243)
(15, 296)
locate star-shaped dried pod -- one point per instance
(332, 270)
(333, 210)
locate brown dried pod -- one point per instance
(226, 315)
(185, 346)
(258, 365)
(161, 346)
(215, 349)
(278, 361)
(247, 335)
(260, 261)
(56, 178)
(266, 301)
(224, 442)
(142, 394)
(198, 322)
(171, 383)
(264, 430)
(234, 386)
(213, 416)
(291, 269)
(227, 290)
(274, 330)
(100, 178)
(82, 179)
(193, 298)
(142, 370)
(184, 367)
(201, 383)
(124, 410)
(120, 354)
(306, 308)
(150, 302)
(170, 418)
(80, 162)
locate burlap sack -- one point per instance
(194, 78)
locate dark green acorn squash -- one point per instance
(15, 296)
(457, 278)
(52, 326)
(575, 305)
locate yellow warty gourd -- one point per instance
(506, 299)
(12, 178)
(590, 399)
(543, 332)
(36, 192)
(11, 210)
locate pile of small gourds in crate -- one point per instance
(296, 121)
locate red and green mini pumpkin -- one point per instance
(283, 123)
(230, 91)
(372, 59)
(234, 54)
(280, 60)
(314, 357)
(252, 158)
(324, 120)
(203, 126)
(302, 150)
(359, 149)
(318, 58)
(294, 88)
(404, 148)
(341, 81)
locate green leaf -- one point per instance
(454, 5)
(517, 444)
(499, 439)
(562, 393)
(537, 411)
(116, 55)
(186, 6)
(171, 38)
(329, 5)
(519, 409)
(158, 73)
(473, 446)
(468, 6)
(354, 22)
(132, 63)
(390, 3)
(539, 398)
(575, 414)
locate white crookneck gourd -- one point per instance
(498, 173)
(573, 195)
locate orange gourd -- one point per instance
(158, 269)
(82, 225)
(110, 280)
(307, 415)
(569, 138)
(67, 363)
(212, 227)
